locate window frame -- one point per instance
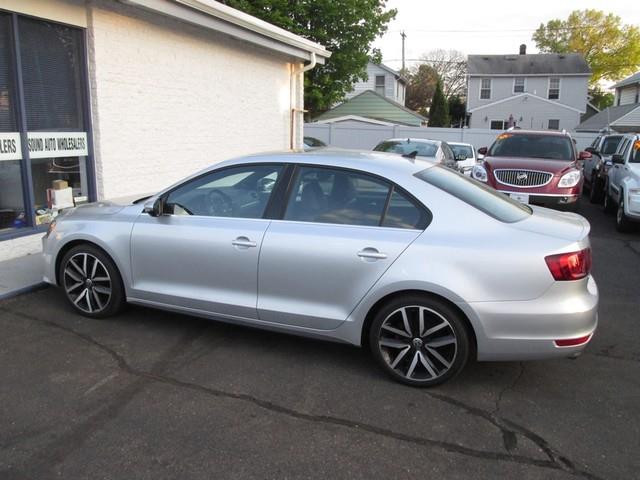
(15, 64)
(280, 209)
(376, 86)
(524, 84)
(549, 88)
(553, 120)
(503, 124)
(490, 88)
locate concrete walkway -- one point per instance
(20, 275)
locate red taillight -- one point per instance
(572, 342)
(570, 266)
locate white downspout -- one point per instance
(297, 99)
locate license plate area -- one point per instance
(520, 197)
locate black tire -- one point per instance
(608, 205)
(85, 282)
(595, 192)
(452, 341)
(623, 224)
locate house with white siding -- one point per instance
(384, 81)
(104, 99)
(623, 115)
(534, 91)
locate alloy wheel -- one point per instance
(87, 283)
(418, 343)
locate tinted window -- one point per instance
(465, 150)
(476, 194)
(610, 145)
(424, 149)
(553, 147)
(241, 192)
(324, 195)
(403, 213)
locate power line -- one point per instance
(495, 30)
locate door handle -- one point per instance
(243, 242)
(372, 253)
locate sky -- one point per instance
(480, 27)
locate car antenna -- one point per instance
(410, 156)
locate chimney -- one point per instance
(523, 49)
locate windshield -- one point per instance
(424, 149)
(552, 147)
(476, 194)
(465, 150)
(610, 145)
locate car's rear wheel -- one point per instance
(419, 340)
(91, 282)
(623, 224)
(595, 191)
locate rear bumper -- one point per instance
(528, 330)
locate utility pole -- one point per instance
(403, 35)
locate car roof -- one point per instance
(555, 133)
(460, 143)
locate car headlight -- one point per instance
(569, 179)
(479, 173)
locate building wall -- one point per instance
(573, 90)
(535, 114)
(169, 99)
(626, 94)
(391, 84)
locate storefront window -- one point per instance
(12, 211)
(53, 91)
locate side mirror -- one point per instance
(461, 157)
(617, 158)
(482, 150)
(154, 208)
(584, 155)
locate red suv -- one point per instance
(537, 167)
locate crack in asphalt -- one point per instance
(509, 438)
(555, 461)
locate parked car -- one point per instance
(465, 155)
(422, 264)
(312, 142)
(595, 168)
(536, 167)
(622, 190)
(435, 150)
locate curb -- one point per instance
(22, 290)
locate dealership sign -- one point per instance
(57, 144)
(10, 148)
(44, 145)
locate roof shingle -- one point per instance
(530, 64)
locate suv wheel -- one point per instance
(623, 224)
(595, 191)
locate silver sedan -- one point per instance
(426, 267)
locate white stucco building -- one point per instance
(124, 97)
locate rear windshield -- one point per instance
(424, 149)
(476, 194)
(552, 147)
(610, 145)
(462, 150)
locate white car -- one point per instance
(622, 190)
(435, 150)
(466, 156)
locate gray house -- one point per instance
(539, 91)
(384, 81)
(624, 115)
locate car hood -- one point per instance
(93, 209)
(527, 163)
(566, 225)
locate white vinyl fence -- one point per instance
(365, 137)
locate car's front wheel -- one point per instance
(595, 191)
(91, 282)
(608, 205)
(623, 224)
(419, 340)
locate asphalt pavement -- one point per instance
(155, 395)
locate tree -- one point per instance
(345, 27)
(457, 110)
(439, 111)
(611, 49)
(601, 99)
(421, 85)
(451, 68)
